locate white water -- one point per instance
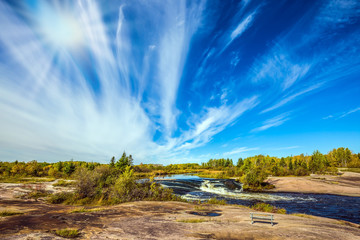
(219, 188)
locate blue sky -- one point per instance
(178, 81)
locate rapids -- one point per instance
(194, 188)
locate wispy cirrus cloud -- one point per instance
(284, 148)
(338, 12)
(350, 112)
(272, 122)
(240, 150)
(213, 121)
(60, 116)
(291, 71)
(161, 78)
(203, 128)
(174, 46)
(277, 67)
(244, 25)
(342, 115)
(63, 113)
(287, 99)
(328, 117)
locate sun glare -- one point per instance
(59, 28)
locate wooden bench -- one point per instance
(262, 216)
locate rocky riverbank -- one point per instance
(158, 220)
(346, 184)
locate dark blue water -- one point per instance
(323, 205)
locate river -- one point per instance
(193, 188)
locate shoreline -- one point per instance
(347, 184)
(159, 220)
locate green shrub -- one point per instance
(68, 233)
(104, 185)
(264, 207)
(37, 194)
(61, 197)
(254, 178)
(216, 201)
(63, 183)
(81, 210)
(127, 189)
(37, 191)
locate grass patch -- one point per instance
(216, 201)
(68, 233)
(264, 207)
(37, 194)
(356, 170)
(62, 197)
(24, 180)
(64, 183)
(349, 224)
(81, 210)
(302, 215)
(193, 220)
(36, 191)
(201, 208)
(6, 213)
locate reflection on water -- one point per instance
(325, 205)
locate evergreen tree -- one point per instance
(282, 162)
(130, 160)
(240, 162)
(316, 162)
(112, 162)
(291, 167)
(123, 162)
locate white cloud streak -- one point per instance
(214, 121)
(337, 12)
(284, 148)
(341, 115)
(291, 97)
(244, 24)
(173, 51)
(328, 117)
(273, 122)
(278, 67)
(350, 112)
(240, 150)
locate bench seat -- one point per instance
(262, 216)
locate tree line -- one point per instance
(251, 170)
